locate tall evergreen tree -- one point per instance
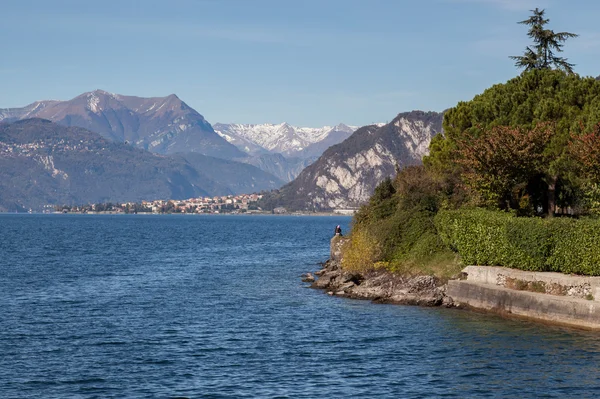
(546, 44)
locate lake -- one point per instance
(170, 306)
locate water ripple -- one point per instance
(212, 307)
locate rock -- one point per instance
(336, 244)
(351, 277)
(347, 286)
(422, 283)
(323, 281)
(369, 292)
(447, 301)
(379, 285)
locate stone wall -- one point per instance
(554, 297)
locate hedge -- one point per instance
(494, 238)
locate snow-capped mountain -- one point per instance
(283, 138)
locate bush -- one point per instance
(493, 238)
(361, 252)
(477, 235)
(575, 247)
(396, 230)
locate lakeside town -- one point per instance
(234, 204)
(227, 204)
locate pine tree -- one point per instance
(546, 44)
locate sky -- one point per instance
(306, 62)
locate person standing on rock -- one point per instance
(338, 230)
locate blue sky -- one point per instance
(307, 62)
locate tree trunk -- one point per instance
(551, 195)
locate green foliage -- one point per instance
(383, 191)
(476, 242)
(576, 247)
(398, 223)
(590, 198)
(533, 97)
(383, 203)
(492, 238)
(567, 104)
(502, 162)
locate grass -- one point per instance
(443, 264)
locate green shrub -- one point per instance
(529, 243)
(399, 233)
(395, 230)
(494, 238)
(575, 246)
(477, 235)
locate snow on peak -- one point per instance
(281, 137)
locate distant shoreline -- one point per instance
(175, 214)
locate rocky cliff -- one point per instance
(347, 174)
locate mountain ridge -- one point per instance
(346, 174)
(164, 125)
(291, 141)
(44, 163)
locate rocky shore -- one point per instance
(543, 296)
(379, 286)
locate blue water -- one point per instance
(213, 307)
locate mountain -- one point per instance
(164, 125)
(347, 173)
(291, 141)
(282, 150)
(42, 163)
(285, 169)
(240, 178)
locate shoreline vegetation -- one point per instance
(512, 181)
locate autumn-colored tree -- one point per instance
(502, 161)
(585, 149)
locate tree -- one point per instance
(585, 149)
(503, 162)
(569, 102)
(546, 44)
(383, 201)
